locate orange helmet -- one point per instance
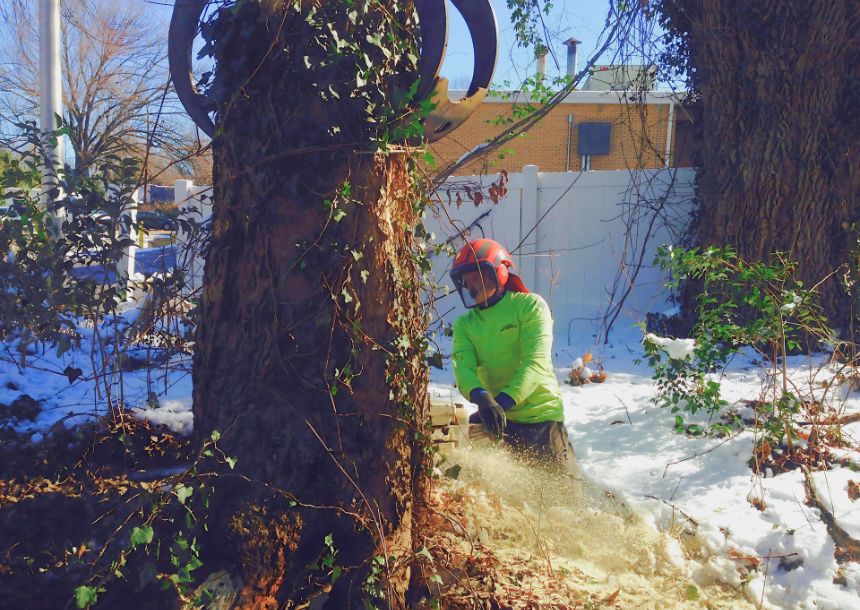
(487, 255)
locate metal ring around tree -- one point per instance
(183, 30)
(433, 26)
(447, 116)
(433, 23)
(484, 31)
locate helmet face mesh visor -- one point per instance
(476, 283)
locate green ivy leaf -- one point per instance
(453, 472)
(194, 563)
(692, 592)
(86, 596)
(141, 535)
(72, 373)
(183, 492)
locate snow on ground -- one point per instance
(161, 392)
(623, 442)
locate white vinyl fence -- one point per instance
(584, 240)
(195, 202)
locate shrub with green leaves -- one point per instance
(741, 303)
(682, 382)
(83, 222)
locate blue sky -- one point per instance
(580, 19)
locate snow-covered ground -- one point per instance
(161, 392)
(783, 555)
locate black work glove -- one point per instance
(492, 414)
(505, 401)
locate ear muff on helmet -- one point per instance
(508, 280)
(502, 273)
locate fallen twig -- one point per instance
(847, 548)
(685, 515)
(690, 457)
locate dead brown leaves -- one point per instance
(748, 561)
(817, 427)
(815, 455)
(495, 192)
(853, 491)
(580, 374)
(12, 491)
(468, 571)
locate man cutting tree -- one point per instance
(502, 355)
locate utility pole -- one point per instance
(50, 86)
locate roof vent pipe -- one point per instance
(572, 60)
(541, 61)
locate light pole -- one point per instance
(50, 87)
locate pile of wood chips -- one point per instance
(472, 570)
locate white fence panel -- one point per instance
(576, 238)
(126, 264)
(196, 203)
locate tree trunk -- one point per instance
(779, 170)
(310, 349)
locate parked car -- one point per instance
(154, 221)
(13, 209)
(9, 212)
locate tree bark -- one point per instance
(309, 354)
(779, 167)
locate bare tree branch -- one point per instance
(115, 82)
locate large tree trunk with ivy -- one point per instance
(310, 349)
(776, 84)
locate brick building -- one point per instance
(616, 122)
(621, 134)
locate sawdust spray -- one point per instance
(583, 532)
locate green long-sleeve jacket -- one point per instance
(508, 348)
